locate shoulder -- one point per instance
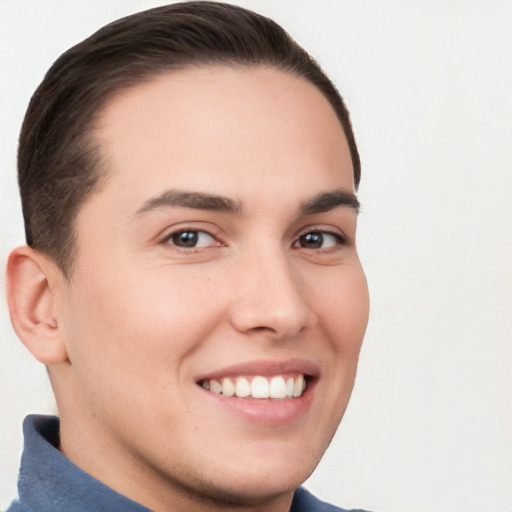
(304, 501)
(15, 506)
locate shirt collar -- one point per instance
(50, 482)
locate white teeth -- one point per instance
(215, 387)
(243, 387)
(298, 386)
(289, 387)
(228, 388)
(260, 388)
(277, 387)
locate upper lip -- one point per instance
(265, 368)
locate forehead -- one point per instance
(193, 128)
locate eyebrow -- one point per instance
(320, 203)
(327, 201)
(196, 200)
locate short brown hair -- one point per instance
(58, 159)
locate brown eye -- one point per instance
(318, 240)
(311, 240)
(191, 239)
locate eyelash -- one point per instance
(172, 239)
(339, 239)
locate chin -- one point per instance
(251, 490)
(265, 481)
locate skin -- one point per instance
(142, 318)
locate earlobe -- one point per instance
(31, 279)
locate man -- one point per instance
(191, 280)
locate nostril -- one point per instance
(282, 322)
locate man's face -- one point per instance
(218, 256)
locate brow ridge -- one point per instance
(196, 200)
(320, 203)
(330, 200)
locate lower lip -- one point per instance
(265, 412)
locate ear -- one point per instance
(32, 282)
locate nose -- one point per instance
(270, 298)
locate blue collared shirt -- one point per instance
(50, 482)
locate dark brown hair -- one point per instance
(59, 164)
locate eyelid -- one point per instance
(329, 230)
(338, 243)
(196, 226)
(199, 239)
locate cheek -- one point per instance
(342, 308)
(137, 323)
(130, 342)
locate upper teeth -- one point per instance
(258, 387)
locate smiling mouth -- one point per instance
(279, 387)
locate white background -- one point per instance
(429, 86)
